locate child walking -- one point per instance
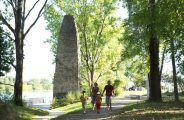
(83, 100)
(98, 102)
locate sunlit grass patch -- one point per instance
(151, 110)
(26, 113)
(73, 107)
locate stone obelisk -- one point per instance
(66, 77)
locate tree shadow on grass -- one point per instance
(26, 113)
(151, 110)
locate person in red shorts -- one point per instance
(98, 102)
(109, 92)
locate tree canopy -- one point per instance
(6, 52)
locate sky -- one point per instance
(38, 58)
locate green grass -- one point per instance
(73, 107)
(27, 113)
(151, 111)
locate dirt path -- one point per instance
(117, 103)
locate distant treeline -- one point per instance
(6, 84)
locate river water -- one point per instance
(40, 99)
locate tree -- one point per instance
(99, 31)
(19, 14)
(6, 52)
(173, 34)
(162, 20)
(141, 41)
(155, 88)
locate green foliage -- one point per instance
(99, 30)
(6, 52)
(167, 27)
(55, 103)
(70, 98)
(37, 85)
(117, 83)
(180, 83)
(6, 97)
(118, 91)
(6, 88)
(73, 96)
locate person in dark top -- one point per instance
(109, 92)
(95, 89)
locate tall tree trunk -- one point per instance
(174, 70)
(19, 55)
(155, 88)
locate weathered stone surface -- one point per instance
(66, 76)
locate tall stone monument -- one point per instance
(66, 77)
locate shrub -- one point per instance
(73, 96)
(117, 83)
(55, 103)
(118, 91)
(77, 95)
(64, 101)
(6, 97)
(69, 98)
(117, 86)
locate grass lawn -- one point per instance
(73, 107)
(166, 110)
(27, 113)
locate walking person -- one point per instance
(83, 99)
(95, 89)
(109, 89)
(98, 102)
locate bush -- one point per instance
(118, 91)
(55, 103)
(117, 87)
(70, 98)
(117, 83)
(6, 97)
(65, 101)
(77, 95)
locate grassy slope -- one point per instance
(73, 107)
(26, 113)
(151, 110)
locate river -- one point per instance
(40, 99)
